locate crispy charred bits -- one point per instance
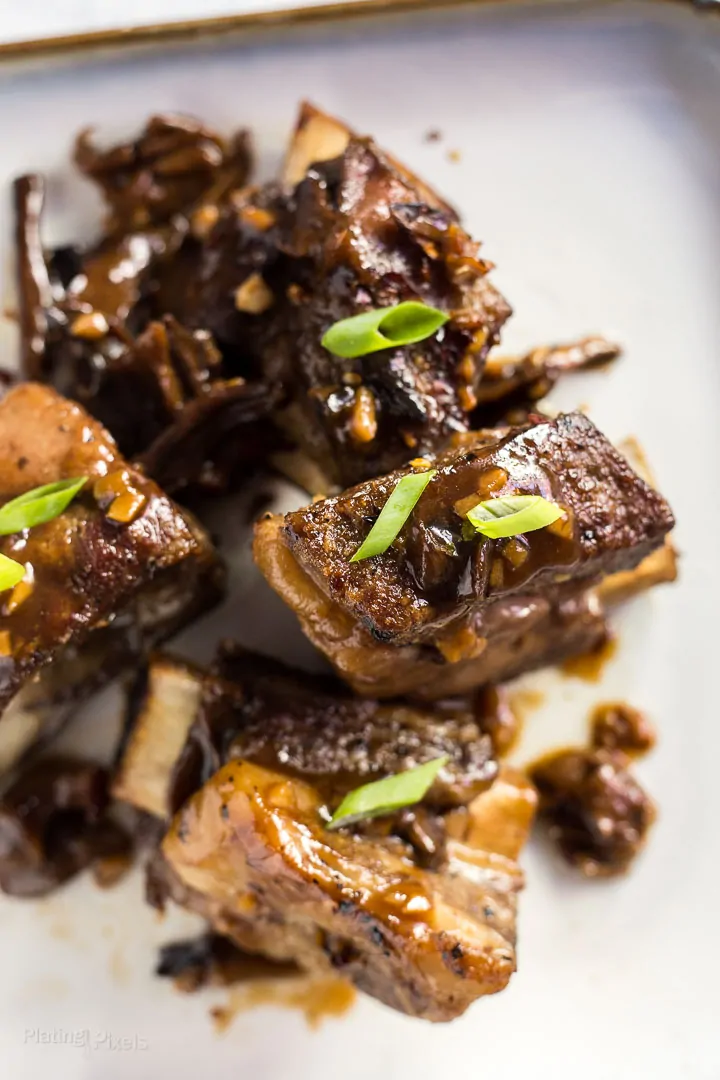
(352, 233)
(250, 850)
(595, 810)
(517, 380)
(439, 588)
(175, 165)
(213, 960)
(81, 312)
(53, 824)
(121, 569)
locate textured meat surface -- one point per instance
(250, 847)
(352, 230)
(510, 636)
(432, 574)
(312, 728)
(122, 560)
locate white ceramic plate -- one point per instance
(589, 162)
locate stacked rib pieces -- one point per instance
(204, 359)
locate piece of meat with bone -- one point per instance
(353, 230)
(427, 943)
(154, 187)
(182, 724)
(444, 609)
(269, 753)
(121, 568)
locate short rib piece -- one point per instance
(443, 596)
(416, 908)
(121, 569)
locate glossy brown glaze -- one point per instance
(432, 575)
(426, 943)
(512, 635)
(590, 666)
(316, 998)
(120, 568)
(347, 234)
(616, 725)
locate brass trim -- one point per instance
(187, 30)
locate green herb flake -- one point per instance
(386, 796)
(394, 514)
(513, 515)
(39, 505)
(383, 328)
(11, 573)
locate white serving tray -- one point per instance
(589, 146)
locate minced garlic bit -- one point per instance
(363, 419)
(18, 596)
(125, 508)
(253, 296)
(91, 325)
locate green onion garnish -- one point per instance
(383, 328)
(39, 505)
(394, 514)
(388, 795)
(513, 515)
(11, 573)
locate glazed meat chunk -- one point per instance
(183, 724)
(442, 594)
(426, 942)
(416, 908)
(121, 568)
(352, 230)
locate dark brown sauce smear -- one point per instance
(615, 725)
(590, 666)
(318, 999)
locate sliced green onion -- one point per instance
(39, 505)
(383, 328)
(394, 514)
(11, 573)
(388, 795)
(513, 515)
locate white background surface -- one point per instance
(590, 165)
(32, 19)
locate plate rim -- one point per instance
(246, 23)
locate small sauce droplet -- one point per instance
(590, 666)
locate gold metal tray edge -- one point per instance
(340, 10)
